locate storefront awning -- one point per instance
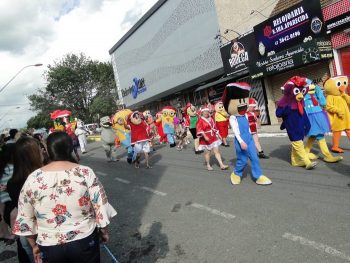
(213, 83)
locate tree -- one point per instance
(41, 120)
(74, 83)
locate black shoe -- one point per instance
(227, 145)
(198, 152)
(172, 145)
(262, 155)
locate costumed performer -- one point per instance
(291, 109)
(191, 119)
(209, 138)
(180, 132)
(168, 115)
(315, 101)
(253, 116)
(123, 133)
(81, 133)
(221, 120)
(162, 136)
(338, 103)
(235, 99)
(152, 126)
(108, 139)
(140, 138)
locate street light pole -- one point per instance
(35, 65)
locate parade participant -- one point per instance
(180, 132)
(168, 115)
(152, 126)
(191, 119)
(81, 133)
(160, 131)
(139, 137)
(108, 137)
(314, 103)
(235, 100)
(295, 120)
(123, 134)
(209, 138)
(253, 118)
(221, 120)
(74, 219)
(338, 103)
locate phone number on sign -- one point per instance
(287, 38)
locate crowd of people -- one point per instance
(53, 208)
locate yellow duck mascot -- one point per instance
(119, 125)
(338, 103)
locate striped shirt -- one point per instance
(6, 176)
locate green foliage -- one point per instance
(75, 83)
(41, 120)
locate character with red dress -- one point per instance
(221, 120)
(162, 135)
(209, 138)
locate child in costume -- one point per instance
(162, 136)
(221, 120)
(315, 101)
(191, 119)
(291, 110)
(152, 126)
(140, 138)
(235, 100)
(168, 115)
(338, 103)
(253, 117)
(108, 139)
(209, 138)
(81, 133)
(180, 132)
(123, 134)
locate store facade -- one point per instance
(169, 53)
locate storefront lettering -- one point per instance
(138, 87)
(238, 59)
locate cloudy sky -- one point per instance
(41, 31)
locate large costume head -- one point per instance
(294, 91)
(168, 114)
(190, 110)
(135, 118)
(235, 98)
(336, 86)
(80, 124)
(105, 122)
(219, 107)
(119, 119)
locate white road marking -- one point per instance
(101, 173)
(266, 135)
(213, 211)
(121, 180)
(319, 246)
(152, 191)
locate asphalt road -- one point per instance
(180, 212)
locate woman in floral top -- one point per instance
(61, 206)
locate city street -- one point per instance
(180, 212)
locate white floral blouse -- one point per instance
(62, 206)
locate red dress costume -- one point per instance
(207, 127)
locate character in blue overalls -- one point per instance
(235, 99)
(168, 115)
(315, 101)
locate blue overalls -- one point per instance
(242, 156)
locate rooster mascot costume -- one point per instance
(338, 103)
(160, 131)
(191, 119)
(108, 138)
(235, 99)
(315, 101)
(295, 121)
(168, 115)
(140, 138)
(81, 133)
(123, 134)
(221, 120)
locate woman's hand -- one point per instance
(37, 254)
(104, 236)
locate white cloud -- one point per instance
(41, 31)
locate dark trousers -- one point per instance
(86, 250)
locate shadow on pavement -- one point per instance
(7, 254)
(282, 153)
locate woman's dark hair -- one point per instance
(27, 158)
(6, 156)
(60, 147)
